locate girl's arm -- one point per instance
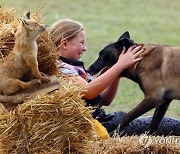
(97, 86)
(109, 93)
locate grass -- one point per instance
(154, 21)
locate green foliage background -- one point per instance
(148, 21)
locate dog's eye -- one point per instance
(36, 24)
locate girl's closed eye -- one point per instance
(82, 42)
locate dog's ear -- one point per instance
(124, 35)
(27, 15)
(124, 42)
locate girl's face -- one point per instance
(76, 46)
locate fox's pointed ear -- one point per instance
(27, 15)
(24, 22)
(124, 35)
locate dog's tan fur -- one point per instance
(158, 76)
(167, 58)
(22, 58)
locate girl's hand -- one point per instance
(130, 57)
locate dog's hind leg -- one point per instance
(158, 116)
(145, 105)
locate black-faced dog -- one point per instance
(158, 76)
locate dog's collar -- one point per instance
(71, 61)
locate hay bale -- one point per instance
(58, 122)
(135, 145)
(6, 14)
(47, 57)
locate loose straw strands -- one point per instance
(58, 122)
(138, 145)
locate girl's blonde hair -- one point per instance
(65, 28)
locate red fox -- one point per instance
(22, 59)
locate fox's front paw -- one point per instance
(45, 79)
(35, 82)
